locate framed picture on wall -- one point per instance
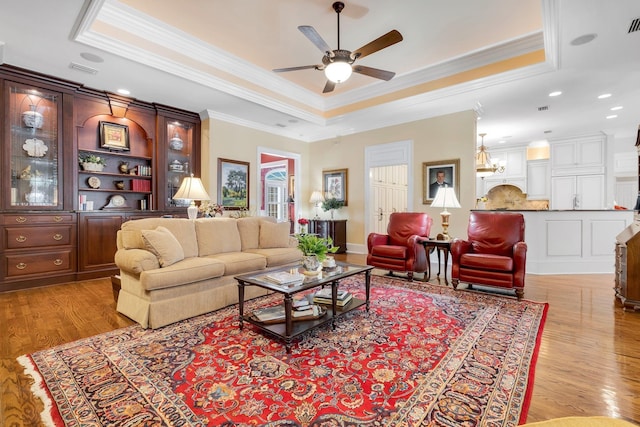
(443, 173)
(114, 136)
(335, 184)
(233, 184)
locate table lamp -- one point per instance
(445, 198)
(316, 199)
(191, 189)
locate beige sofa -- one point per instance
(173, 269)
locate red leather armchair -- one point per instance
(494, 254)
(401, 248)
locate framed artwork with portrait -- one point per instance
(233, 184)
(335, 184)
(114, 136)
(439, 174)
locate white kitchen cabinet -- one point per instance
(538, 180)
(578, 156)
(577, 192)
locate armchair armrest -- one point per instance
(375, 239)
(457, 248)
(519, 263)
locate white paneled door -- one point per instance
(388, 194)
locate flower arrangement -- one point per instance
(310, 244)
(331, 204)
(303, 223)
(210, 209)
(91, 158)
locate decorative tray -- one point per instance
(322, 312)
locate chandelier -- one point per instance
(484, 166)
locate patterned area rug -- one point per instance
(423, 355)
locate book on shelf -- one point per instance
(340, 302)
(326, 293)
(300, 301)
(284, 278)
(313, 310)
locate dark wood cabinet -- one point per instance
(627, 273)
(71, 213)
(36, 247)
(334, 228)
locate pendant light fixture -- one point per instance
(484, 166)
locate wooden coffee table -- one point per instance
(290, 329)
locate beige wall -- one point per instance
(441, 138)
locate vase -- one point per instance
(303, 229)
(94, 167)
(310, 262)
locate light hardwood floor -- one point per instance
(589, 361)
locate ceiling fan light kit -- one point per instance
(338, 71)
(338, 64)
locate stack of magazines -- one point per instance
(284, 278)
(323, 296)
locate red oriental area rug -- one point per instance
(423, 355)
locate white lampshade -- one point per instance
(191, 189)
(338, 71)
(445, 198)
(316, 199)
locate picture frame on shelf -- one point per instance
(335, 184)
(233, 184)
(114, 136)
(447, 171)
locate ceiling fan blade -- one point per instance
(329, 87)
(392, 37)
(374, 72)
(303, 67)
(315, 38)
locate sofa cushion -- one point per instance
(274, 235)
(183, 230)
(217, 235)
(163, 244)
(279, 256)
(249, 228)
(188, 270)
(240, 262)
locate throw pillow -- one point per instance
(163, 245)
(274, 234)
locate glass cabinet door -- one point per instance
(33, 147)
(178, 156)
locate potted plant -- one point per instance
(314, 250)
(91, 162)
(332, 204)
(303, 223)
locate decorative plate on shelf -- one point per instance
(94, 182)
(115, 202)
(35, 147)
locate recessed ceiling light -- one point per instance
(613, 116)
(604, 95)
(502, 141)
(584, 39)
(123, 92)
(556, 93)
(91, 57)
(619, 107)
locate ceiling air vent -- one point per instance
(543, 108)
(635, 25)
(83, 68)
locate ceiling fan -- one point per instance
(338, 64)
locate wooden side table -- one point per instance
(441, 246)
